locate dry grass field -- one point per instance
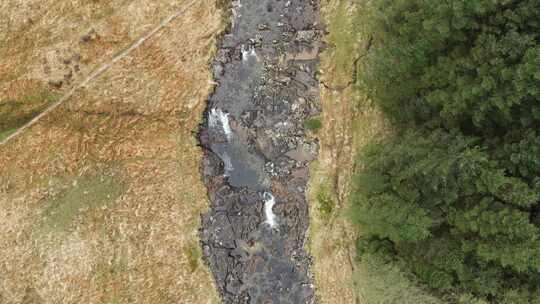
(349, 122)
(47, 46)
(100, 200)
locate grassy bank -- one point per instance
(348, 122)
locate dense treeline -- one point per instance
(454, 195)
(462, 64)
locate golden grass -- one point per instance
(48, 45)
(100, 201)
(349, 122)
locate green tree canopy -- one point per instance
(470, 64)
(455, 198)
(452, 211)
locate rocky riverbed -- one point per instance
(257, 152)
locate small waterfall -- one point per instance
(228, 164)
(248, 52)
(269, 202)
(217, 115)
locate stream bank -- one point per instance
(257, 152)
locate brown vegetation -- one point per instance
(349, 122)
(100, 200)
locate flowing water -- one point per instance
(257, 152)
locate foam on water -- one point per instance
(247, 52)
(218, 116)
(228, 164)
(269, 202)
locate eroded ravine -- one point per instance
(257, 152)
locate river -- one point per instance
(257, 152)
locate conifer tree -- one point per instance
(451, 211)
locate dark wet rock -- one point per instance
(57, 84)
(257, 153)
(218, 69)
(263, 27)
(301, 154)
(241, 252)
(223, 55)
(212, 166)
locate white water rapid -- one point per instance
(269, 202)
(217, 115)
(248, 52)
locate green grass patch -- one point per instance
(193, 254)
(326, 204)
(41, 97)
(5, 134)
(313, 124)
(86, 195)
(383, 281)
(344, 34)
(15, 113)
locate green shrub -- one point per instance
(313, 124)
(326, 204)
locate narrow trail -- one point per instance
(257, 153)
(102, 69)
